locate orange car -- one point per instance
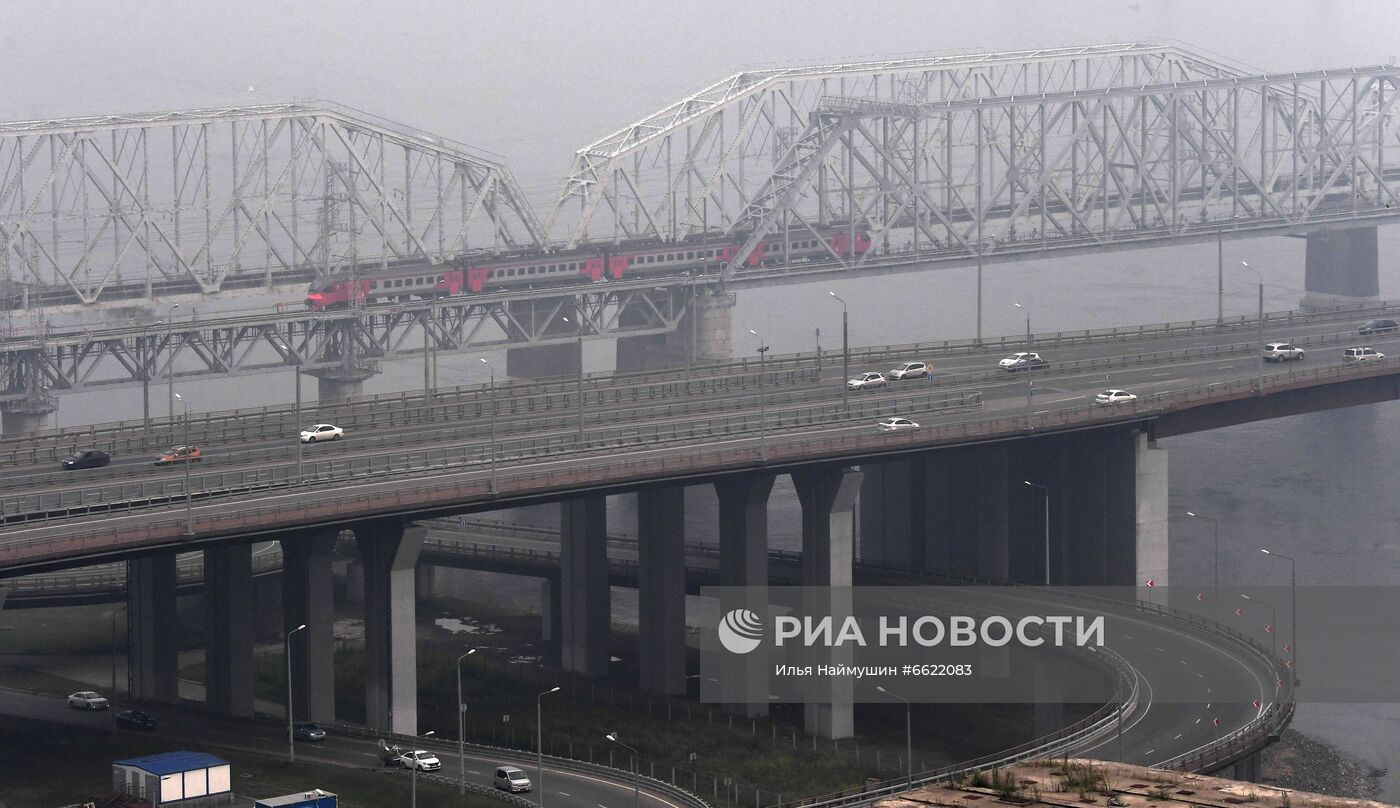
(180, 454)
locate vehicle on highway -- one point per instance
(87, 459)
(866, 381)
(135, 719)
(308, 731)
(910, 370)
(180, 454)
(509, 778)
(1114, 397)
(1378, 327)
(1355, 356)
(896, 424)
(321, 432)
(389, 754)
(1281, 351)
(422, 760)
(1022, 361)
(88, 700)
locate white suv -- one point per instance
(1280, 351)
(910, 370)
(509, 778)
(1355, 356)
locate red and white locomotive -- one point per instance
(419, 280)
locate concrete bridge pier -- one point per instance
(389, 551)
(24, 420)
(828, 499)
(543, 361)
(228, 602)
(1341, 268)
(703, 335)
(152, 628)
(550, 598)
(1249, 770)
(585, 594)
(424, 582)
(307, 599)
(661, 588)
(339, 383)
(743, 562)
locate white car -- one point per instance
(1281, 351)
(896, 424)
(421, 760)
(88, 700)
(320, 432)
(1114, 397)
(910, 370)
(866, 380)
(1022, 361)
(509, 778)
(1353, 356)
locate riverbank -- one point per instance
(1306, 764)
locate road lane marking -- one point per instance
(1178, 737)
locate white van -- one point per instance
(509, 778)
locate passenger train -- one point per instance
(417, 280)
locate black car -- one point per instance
(1378, 327)
(308, 731)
(87, 459)
(135, 719)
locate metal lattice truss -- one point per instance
(963, 156)
(208, 199)
(351, 342)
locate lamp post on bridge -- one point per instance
(287, 650)
(1293, 593)
(1028, 368)
(539, 740)
(492, 370)
(461, 728)
(577, 308)
(1046, 492)
(297, 416)
(170, 368)
(1216, 525)
(189, 460)
(1260, 357)
(845, 355)
(762, 399)
(636, 768)
(416, 767)
(1273, 624)
(908, 733)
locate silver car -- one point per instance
(896, 425)
(865, 381)
(509, 778)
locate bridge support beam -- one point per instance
(550, 597)
(587, 599)
(424, 582)
(23, 421)
(1342, 268)
(743, 562)
(389, 551)
(1249, 770)
(828, 559)
(228, 603)
(544, 317)
(152, 628)
(661, 588)
(1150, 553)
(703, 335)
(307, 599)
(338, 384)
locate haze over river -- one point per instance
(534, 81)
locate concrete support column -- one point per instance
(1151, 512)
(152, 628)
(743, 562)
(308, 598)
(1249, 770)
(355, 582)
(550, 598)
(23, 422)
(587, 602)
(704, 332)
(661, 588)
(424, 582)
(228, 643)
(828, 559)
(389, 550)
(889, 510)
(992, 503)
(1341, 268)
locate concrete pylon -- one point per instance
(586, 598)
(1341, 269)
(743, 562)
(389, 550)
(828, 560)
(308, 599)
(228, 643)
(1150, 486)
(530, 319)
(152, 628)
(661, 588)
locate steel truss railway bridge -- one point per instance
(956, 159)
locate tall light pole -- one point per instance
(493, 421)
(296, 426)
(636, 774)
(1046, 492)
(1216, 554)
(1028, 367)
(762, 399)
(114, 660)
(461, 728)
(579, 324)
(414, 754)
(1293, 594)
(291, 752)
(189, 501)
(539, 740)
(427, 364)
(1273, 624)
(845, 355)
(146, 383)
(170, 368)
(1260, 355)
(908, 733)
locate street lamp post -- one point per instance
(296, 426)
(170, 368)
(908, 733)
(579, 324)
(762, 399)
(291, 751)
(1029, 383)
(145, 359)
(1293, 594)
(461, 728)
(636, 773)
(1260, 357)
(845, 355)
(114, 660)
(1216, 525)
(539, 740)
(416, 766)
(493, 421)
(1273, 624)
(1046, 492)
(189, 501)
